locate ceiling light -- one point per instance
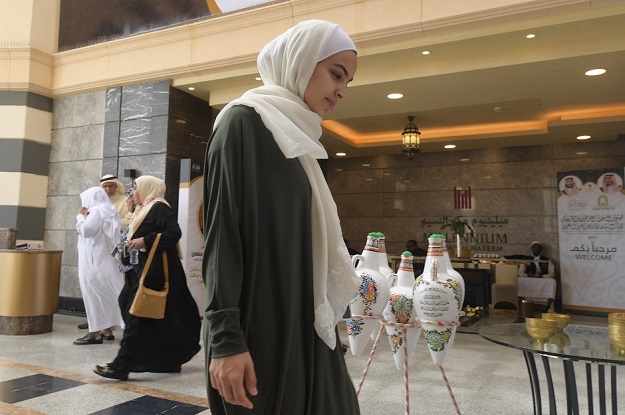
(464, 159)
(488, 177)
(368, 180)
(595, 72)
(395, 96)
(411, 139)
(341, 154)
(583, 137)
(581, 153)
(366, 165)
(386, 174)
(498, 109)
(426, 52)
(531, 36)
(258, 78)
(191, 88)
(450, 146)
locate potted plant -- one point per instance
(459, 227)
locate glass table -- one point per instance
(586, 344)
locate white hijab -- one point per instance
(151, 190)
(286, 65)
(95, 199)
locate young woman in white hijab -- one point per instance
(97, 224)
(155, 345)
(277, 272)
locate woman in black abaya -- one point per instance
(156, 345)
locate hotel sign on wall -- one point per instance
(490, 236)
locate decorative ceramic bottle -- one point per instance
(387, 271)
(453, 274)
(437, 300)
(371, 298)
(401, 310)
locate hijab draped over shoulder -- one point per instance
(151, 190)
(286, 65)
(95, 199)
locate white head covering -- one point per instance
(95, 199)
(150, 190)
(286, 65)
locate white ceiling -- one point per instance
(537, 85)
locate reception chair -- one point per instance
(505, 288)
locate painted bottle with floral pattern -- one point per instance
(387, 271)
(437, 300)
(455, 275)
(371, 298)
(400, 310)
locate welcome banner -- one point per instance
(191, 221)
(591, 216)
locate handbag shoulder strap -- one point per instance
(165, 269)
(151, 256)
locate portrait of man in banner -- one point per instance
(610, 183)
(571, 185)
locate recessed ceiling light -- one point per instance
(406, 181)
(191, 88)
(366, 165)
(498, 109)
(583, 137)
(341, 154)
(595, 72)
(258, 78)
(464, 159)
(581, 153)
(531, 36)
(395, 95)
(488, 177)
(426, 52)
(368, 180)
(386, 174)
(450, 146)
(339, 169)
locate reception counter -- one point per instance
(29, 290)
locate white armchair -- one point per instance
(505, 288)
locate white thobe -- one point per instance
(100, 279)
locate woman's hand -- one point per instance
(233, 376)
(138, 243)
(82, 210)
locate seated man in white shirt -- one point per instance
(541, 265)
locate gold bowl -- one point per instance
(616, 319)
(616, 331)
(539, 329)
(562, 320)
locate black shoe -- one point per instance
(88, 339)
(83, 326)
(109, 337)
(106, 372)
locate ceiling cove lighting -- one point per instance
(411, 139)
(595, 72)
(583, 137)
(395, 95)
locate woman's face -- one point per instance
(328, 83)
(135, 194)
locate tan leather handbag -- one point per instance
(150, 303)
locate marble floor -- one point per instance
(46, 374)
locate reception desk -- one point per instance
(29, 290)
